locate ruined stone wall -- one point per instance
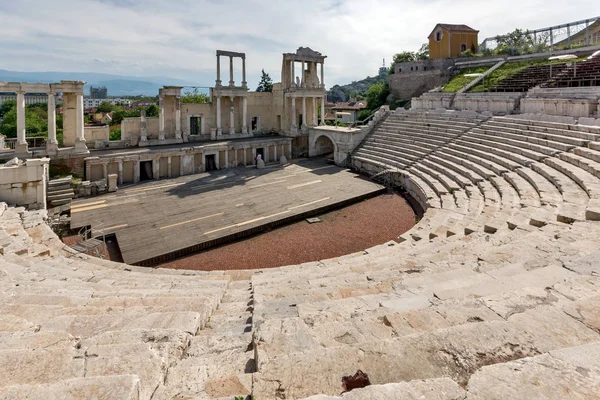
(412, 79)
(25, 184)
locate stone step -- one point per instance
(527, 193)
(570, 190)
(584, 163)
(559, 370)
(502, 164)
(454, 352)
(546, 190)
(587, 181)
(523, 131)
(538, 145)
(427, 389)
(118, 387)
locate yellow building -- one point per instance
(448, 40)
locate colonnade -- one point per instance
(73, 114)
(314, 117)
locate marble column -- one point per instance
(161, 118)
(244, 83)
(227, 158)
(177, 117)
(156, 168)
(244, 115)
(136, 171)
(105, 171)
(293, 74)
(52, 143)
(219, 130)
(303, 111)
(21, 146)
(181, 165)
(88, 171)
(275, 153)
(231, 117)
(120, 172)
(80, 146)
(143, 127)
(293, 111)
(290, 150)
(235, 157)
(231, 81)
(322, 111)
(322, 75)
(314, 112)
(169, 171)
(218, 82)
(244, 158)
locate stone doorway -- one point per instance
(260, 151)
(255, 124)
(210, 163)
(145, 170)
(195, 125)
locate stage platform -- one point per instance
(160, 220)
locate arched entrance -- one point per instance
(324, 146)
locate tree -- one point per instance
(195, 97)
(405, 56)
(106, 107)
(423, 53)
(266, 83)
(7, 106)
(36, 119)
(152, 111)
(376, 95)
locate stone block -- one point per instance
(112, 182)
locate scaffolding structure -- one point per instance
(564, 36)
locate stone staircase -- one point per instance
(494, 294)
(59, 192)
(74, 326)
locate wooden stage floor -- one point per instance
(158, 220)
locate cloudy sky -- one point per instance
(178, 39)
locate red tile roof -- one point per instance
(454, 27)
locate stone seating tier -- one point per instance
(493, 294)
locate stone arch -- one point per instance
(323, 144)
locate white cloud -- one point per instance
(179, 39)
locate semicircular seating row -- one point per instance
(493, 292)
(473, 302)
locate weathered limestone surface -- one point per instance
(494, 294)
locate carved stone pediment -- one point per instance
(307, 52)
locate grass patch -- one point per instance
(459, 81)
(509, 69)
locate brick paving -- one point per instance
(354, 228)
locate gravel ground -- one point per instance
(354, 228)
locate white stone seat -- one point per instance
(571, 191)
(499, 164)
(589, 182)
(593, 167)
(117, 387)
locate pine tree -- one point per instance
(266, 83)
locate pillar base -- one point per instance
(244, 129)
(143, 138)
(161, 135)
(80, 146)
(178, 134)
(219, 132)
(51, 148)
(22, 149)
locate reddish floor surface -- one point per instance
(354, 228)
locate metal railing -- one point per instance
(32, 142)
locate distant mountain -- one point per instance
(339, 93)
(117, 85)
